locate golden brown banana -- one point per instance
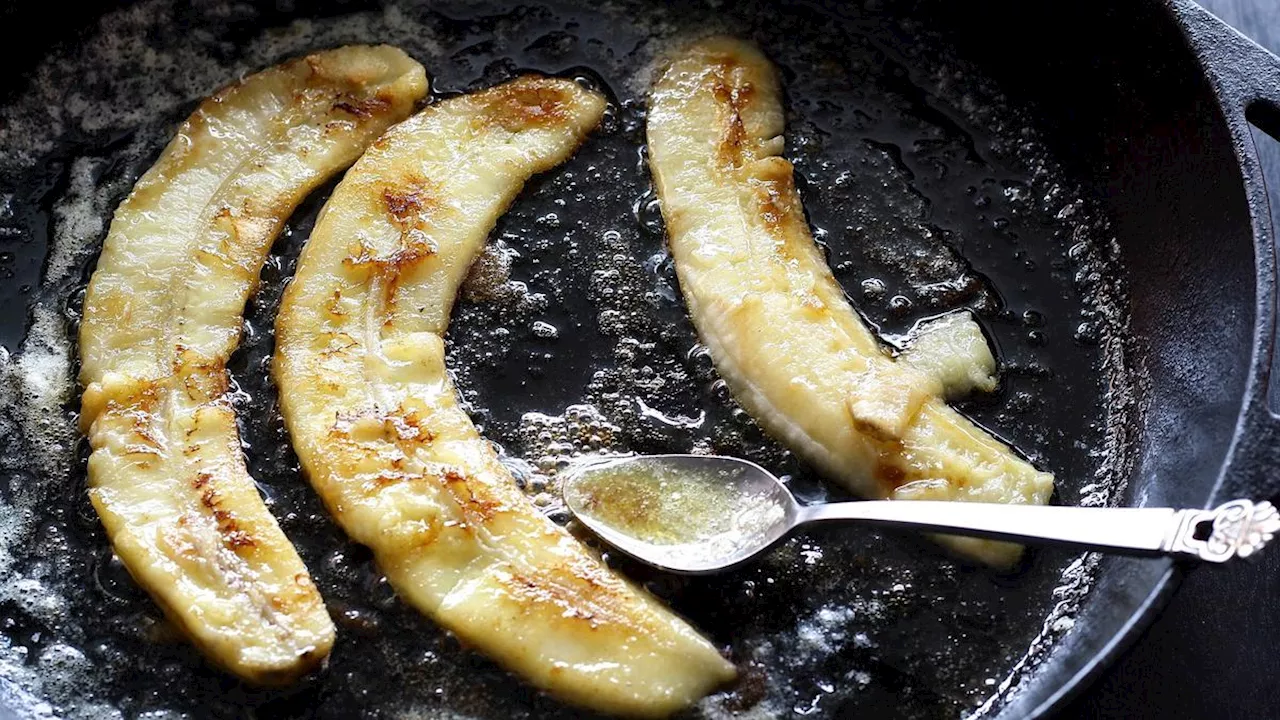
(163, 314)
(377, 426)
(781, 331)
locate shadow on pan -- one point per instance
(1083, 196)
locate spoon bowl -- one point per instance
(689, 514)
(699, 514)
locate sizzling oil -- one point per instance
(929, 190)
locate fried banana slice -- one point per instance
(377, 426)
(779, 327)
(163, 314)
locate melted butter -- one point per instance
(691, 513)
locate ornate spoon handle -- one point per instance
(1235, 529)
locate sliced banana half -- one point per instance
(163, 314)
(780, 329)
(378, 428)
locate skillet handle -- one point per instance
(1246, 78)
(1245, 74)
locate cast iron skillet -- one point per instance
(1082, 178)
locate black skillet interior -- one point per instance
(1076, 189)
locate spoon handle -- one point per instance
(1235, 529)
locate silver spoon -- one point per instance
(702, 514)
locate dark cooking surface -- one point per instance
(915, 160)
(1212, 653)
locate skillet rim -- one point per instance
(1256, 425)
(1231, 63)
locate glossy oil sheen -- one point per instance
(931, 191)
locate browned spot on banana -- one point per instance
(403, 428)
(365, 108)
(478, 511)
(203, 379)
(334, 305)
(526, 103)
(414, 248)
(409, 203)
(334, 342)
(734, 94)
(232, 535)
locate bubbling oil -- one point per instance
(928, 189)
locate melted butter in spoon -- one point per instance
(694, 513)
